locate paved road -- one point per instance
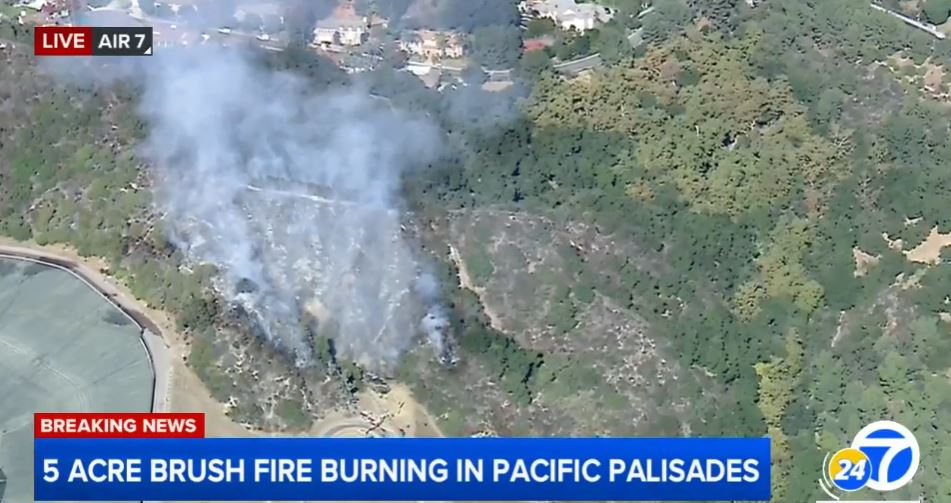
(579, 65)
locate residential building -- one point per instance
(36, 5)
(568, 14)
(343, 27)
(47, 11)
(432, 44)
(537, 43)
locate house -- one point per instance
(432, 44)
(47, 11)
(36, 5)
(537, 43)
(568, 14)
(343, 27)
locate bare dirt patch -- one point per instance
(934, 76)
(863, 261)
(929, 251)
(395, 413)
(188, 394)
(465, 281)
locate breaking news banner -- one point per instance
(98, 457)
(92, 41)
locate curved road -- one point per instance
(579, 65)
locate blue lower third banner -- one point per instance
(401, 469)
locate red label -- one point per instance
(62, 41)
(119, 425)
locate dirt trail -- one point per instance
(465, 281)
(395, 414)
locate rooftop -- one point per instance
(567, 7)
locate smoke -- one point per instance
(295, 193)
(436, 321)
(295, 196)
(464, 15)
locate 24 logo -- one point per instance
(884, 456)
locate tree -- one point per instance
(778, 379)
(612, 43)
(574, 45)
(669, 19)
(932, 344)
(540, 26)
(936, 11)
(469, 16)
(722, 13)
(496, 47)
(533, 63)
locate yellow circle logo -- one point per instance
(849, 469)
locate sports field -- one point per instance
(63, 347)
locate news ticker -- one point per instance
(99, 457)
(92, 41)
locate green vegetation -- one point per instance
(293, 413)
(936, 11)
(750, 156)
(496, 47)
(69, 175)
(670, 239)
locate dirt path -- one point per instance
(465, 281)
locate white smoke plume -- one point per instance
(295, 196)
(436, 321)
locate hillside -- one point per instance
(70, 175)
(707, 237)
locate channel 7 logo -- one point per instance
(884, 456)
